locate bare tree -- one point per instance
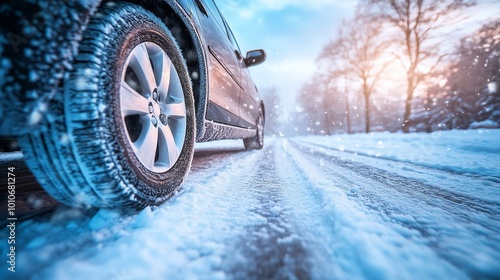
(320, 110)
(357, 53)
(309, 100)
(274, 110)
(418, 23)
(347, 106)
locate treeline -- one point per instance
(470, 98)
(392, 67)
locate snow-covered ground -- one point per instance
(376, 206)
(462, 151)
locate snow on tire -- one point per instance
(257, 142)
(122, 132)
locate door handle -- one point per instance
(201, 7)
(238, 55)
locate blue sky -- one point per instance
(293, 32)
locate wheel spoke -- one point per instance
(146, 145)
(168, 146)
(175, 92)
(132, 102)
(158, 136)
(175, 110)
(162, 73)
(140, 63)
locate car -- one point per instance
(107, 98)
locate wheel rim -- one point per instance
(152, 107)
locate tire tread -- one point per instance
(81, 172)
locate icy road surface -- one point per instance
(380, 206)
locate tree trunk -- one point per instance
(326, 117)
(347, 111)
(367, 114)
(409, 98)
(428, 125)
(367, 107)
(327, 124)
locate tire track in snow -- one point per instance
(271, 249)
(457, 229)
(205, 159)
(432, 195)
(185, 238)
(292, 240)
(278, 213)
(494, 179)
(360, 243)
(311, 216)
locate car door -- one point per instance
(249, 97)
(224, 73)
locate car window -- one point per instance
(214, 12)
(232, 39)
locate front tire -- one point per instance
(122, 134)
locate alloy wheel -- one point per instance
(152, 107)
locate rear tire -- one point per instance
(121, 134)
(257, 142)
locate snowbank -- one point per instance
(475, 152)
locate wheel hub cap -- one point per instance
(152, 107)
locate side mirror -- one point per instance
(255, 57)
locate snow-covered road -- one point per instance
(301, 208)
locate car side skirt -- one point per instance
(217, 131)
